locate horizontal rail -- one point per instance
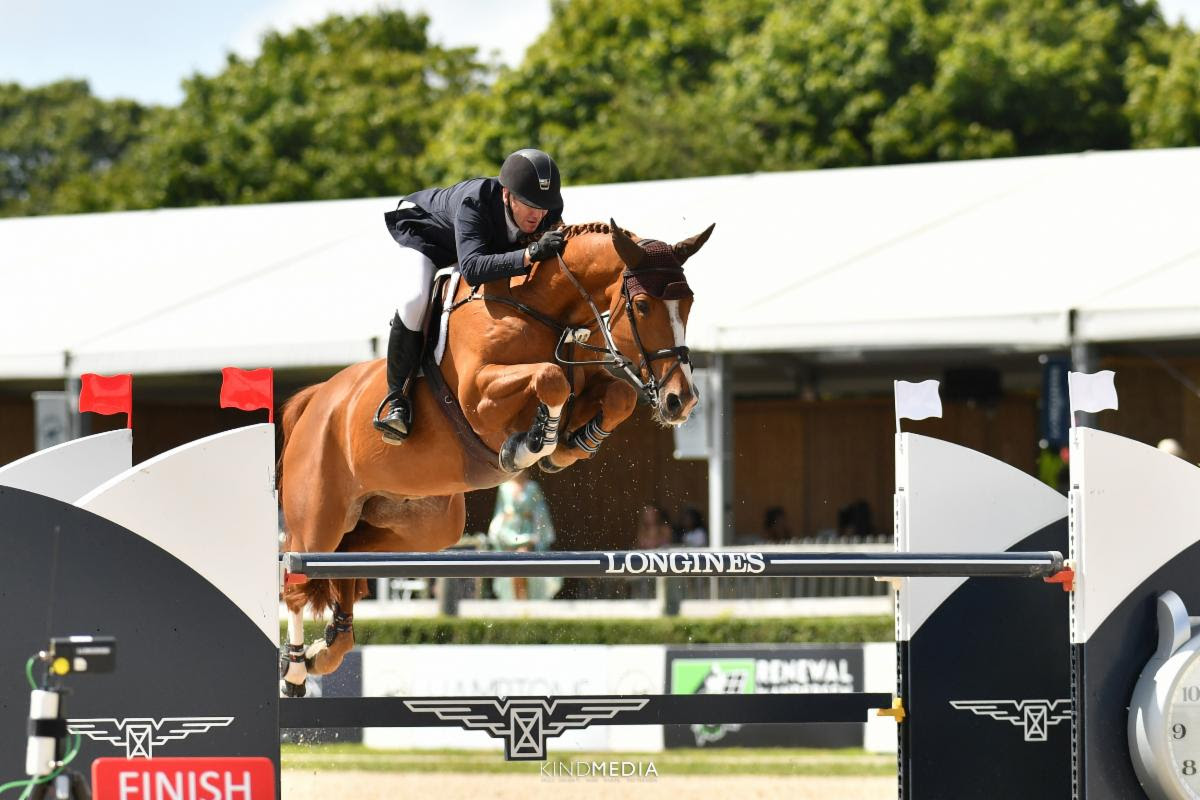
(653, 563)
(653, 709)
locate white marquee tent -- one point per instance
(994, 253)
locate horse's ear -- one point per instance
(688, 247)
(627, 249)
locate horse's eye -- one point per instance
(642, 307)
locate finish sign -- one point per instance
(183, 779)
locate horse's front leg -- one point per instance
(505, 395)
(603, 406)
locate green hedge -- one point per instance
(452, 630)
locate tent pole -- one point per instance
(1083, 359)
(720, 453)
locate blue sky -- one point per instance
(143, 48)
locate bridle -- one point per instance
(642, 377)
(652, 280)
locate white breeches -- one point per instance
(414, 279)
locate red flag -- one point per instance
(107, 394)
(248, 389)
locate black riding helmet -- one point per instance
(532, 176)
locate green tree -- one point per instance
(1017, 77)
(56, 133)
(625, 91)
(618, 90)
(343, 109)
(615, 90)
(817, 75)
(1163, 78)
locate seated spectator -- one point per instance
(854, 520)
(1173, 447)
(692, 526)
(654, 530)
(776, 527)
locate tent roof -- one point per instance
(994, 253)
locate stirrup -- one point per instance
(396, 426)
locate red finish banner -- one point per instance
(183, 779)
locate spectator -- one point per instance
(1173, 447)
(692, 526)
(854, 520)
(654, 530)
(776, 527)
(521, 523)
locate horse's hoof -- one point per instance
(310, 655)
(287, 689)
(549, 466)
(508, 452)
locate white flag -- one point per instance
(917, 400)
(1091, 392)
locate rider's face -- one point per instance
(527, 217)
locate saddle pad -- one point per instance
(449, 287)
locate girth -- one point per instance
(482, 465)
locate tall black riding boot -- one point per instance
(394, 417)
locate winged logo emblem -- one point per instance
(1035, 717)
(140, 735)
(524, 724)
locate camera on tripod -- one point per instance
(46, 758)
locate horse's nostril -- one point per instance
(674, 404)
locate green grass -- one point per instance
(714, 761)
(666, 630)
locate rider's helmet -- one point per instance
(532, 176)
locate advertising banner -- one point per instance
(765, 669)
(513, 671)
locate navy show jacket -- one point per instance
(466, 223)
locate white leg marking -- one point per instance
(296, 672)
(525, 458)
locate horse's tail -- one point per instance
(317, 595)
(289, 415)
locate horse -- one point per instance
(580, 339)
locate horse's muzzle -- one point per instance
(676, 406)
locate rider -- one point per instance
(482, 224)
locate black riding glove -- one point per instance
(550, 245)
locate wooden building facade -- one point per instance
(812, 457)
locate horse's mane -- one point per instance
(571, 231)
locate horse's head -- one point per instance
(655, 300)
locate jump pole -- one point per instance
(301, 567)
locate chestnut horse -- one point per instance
(589, 332)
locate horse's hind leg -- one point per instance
(292, 670)
(314, 521)
(506, 391)
(325, 655)
(419, 524)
